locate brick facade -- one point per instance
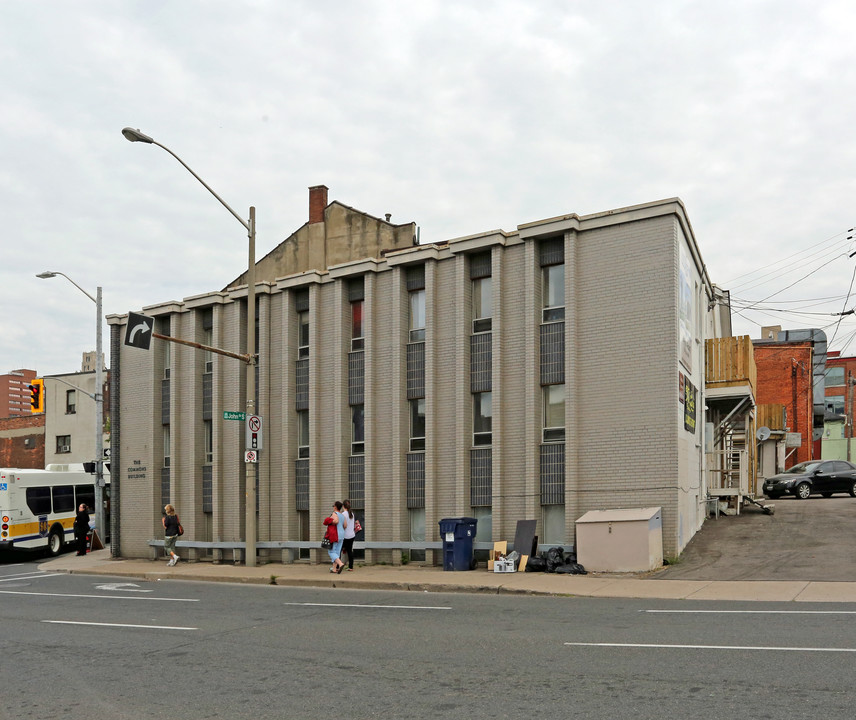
(785, 377)
(621, 449)
(22, 442)
(15, 393)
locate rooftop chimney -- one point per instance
(317, 203)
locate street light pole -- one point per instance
(99, 402)
(133, 135)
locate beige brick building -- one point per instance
(517, 375)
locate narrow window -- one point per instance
(70, 402)
(417, 316)
(417, 424)
(553, 293)
(209, 441)
(482, 304)
(358, 435)
(303, 334)
(554, 413)
(303, 433)
(482, 418)
(357, 325)
(166, 446)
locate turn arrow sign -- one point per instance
(138, 333)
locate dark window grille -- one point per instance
(481, 482)
(553, 474)
(480, 265)
(357, 481)
(552, 353)
(356, 289)
(207, 489)
(551, 252)
(165, 486)
(164, 402)
(301, 481)
(356, 378)
(415, 370)
(481, 359)
(415, 480)
(207, 395)
(302, 381)
(415, 277)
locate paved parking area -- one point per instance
(812, 540)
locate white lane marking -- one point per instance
(710, 647)
(100, 597)
(28, 576)
(119, 625)
(758, 612)
(371, 607)
(123, 587)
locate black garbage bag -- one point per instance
(538, 563)
(555, 559)
(571, 569)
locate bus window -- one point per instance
(85, 494)
(39, 500)
(63, 499)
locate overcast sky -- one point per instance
(462, 117)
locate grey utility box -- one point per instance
(620, 540)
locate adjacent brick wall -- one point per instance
(785, 377)
(22, 442)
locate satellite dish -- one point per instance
(763, 433)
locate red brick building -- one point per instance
(785, 378)
(22, 442)
(839, 396)
(14, 393)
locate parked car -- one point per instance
(823, 477)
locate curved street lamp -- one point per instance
(133, 135)
(99, 400)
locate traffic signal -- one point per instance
(37, 395)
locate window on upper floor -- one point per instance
(303, 334)
(63, 443)
(835, 404)
(483, 418)
(358, 430)
(554, 413)
(834, 375)
(357, 325)
(417, 316)
(417, 424)
(70, 402)
(553, 293)
(303, 433)
(482, 304)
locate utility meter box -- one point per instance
(620, 540)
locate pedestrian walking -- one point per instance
(350, 534)
(81, 528)
(171, 529)
(336, 525)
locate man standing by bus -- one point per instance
(81, 528)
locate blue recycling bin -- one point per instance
(458, 535)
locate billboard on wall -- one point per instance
(686, 309)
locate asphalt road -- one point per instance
(78, 646)
(812, 540)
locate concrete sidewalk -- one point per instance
(432, 579)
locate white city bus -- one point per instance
(37, 507)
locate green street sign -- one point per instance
(234, 416)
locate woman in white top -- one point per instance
(348, 544)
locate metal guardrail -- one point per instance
(238, 545)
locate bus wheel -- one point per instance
(54, 543)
